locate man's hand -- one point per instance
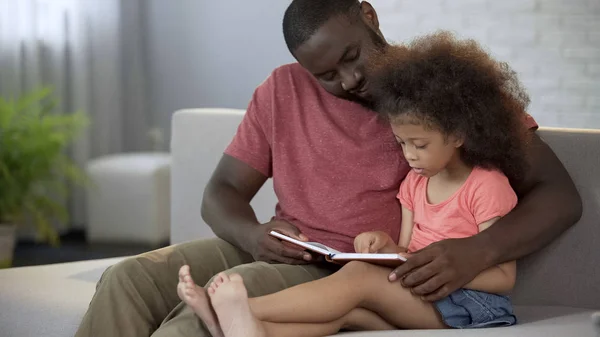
(442, 267)
(264, 247)
(372, 242)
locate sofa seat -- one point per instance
(50, 301)
(534, 321)
(47, 300)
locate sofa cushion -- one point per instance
(51, 300)
(533, 322)
(47, 300)
(566, 273)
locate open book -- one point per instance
(332, 255)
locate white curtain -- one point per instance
(92, 53)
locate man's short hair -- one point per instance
(304, 17)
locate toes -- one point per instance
(189, 292)
(185, 270)
(180, 289)
(225, 277)
(236, 278)
(219, 279)
(188, 280)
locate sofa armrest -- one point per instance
(199, 137)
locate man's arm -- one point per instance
(499, 279)
(226, 209)
(549, 204)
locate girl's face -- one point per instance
(427, 151)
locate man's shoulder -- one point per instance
(291, 68)
(281, 80)
(291, 72)
(290, 82)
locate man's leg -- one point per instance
(134, 296)
(260, 279)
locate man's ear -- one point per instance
(369, 15)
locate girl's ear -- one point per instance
(457, 141)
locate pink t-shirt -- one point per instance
(336, 168)
(486, 194)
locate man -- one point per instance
(336, 170)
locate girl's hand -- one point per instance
(372, 242)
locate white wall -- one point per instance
(214, 53)
(554, 45)
(211, 53)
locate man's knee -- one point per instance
(122, 271)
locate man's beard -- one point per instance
(380, 45)
(378, 41)
(369, 104)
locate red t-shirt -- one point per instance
(336, 167)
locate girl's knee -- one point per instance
(364, 274)
(361, 268)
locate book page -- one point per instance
(386, 260)
(367, 256)
(312, 246)
(331, 250)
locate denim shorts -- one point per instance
(466, 308)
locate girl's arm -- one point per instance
(381, 242)
(405, 234)
(498, 279)
(405, 230)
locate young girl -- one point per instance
(459, 118)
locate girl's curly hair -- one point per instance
(456, 87)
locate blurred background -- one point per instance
(129, 64)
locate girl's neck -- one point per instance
(456, 170)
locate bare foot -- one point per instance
(195, 296)
(230, 301)
(216, 282)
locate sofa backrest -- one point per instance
(567, 272)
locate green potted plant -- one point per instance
(35, 172)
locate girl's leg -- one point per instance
(360, 319)
(230, 301)
(357, 319)
(356, 285)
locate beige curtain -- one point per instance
(92, 52)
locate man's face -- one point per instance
(338, 52)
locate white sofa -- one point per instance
(557, 290)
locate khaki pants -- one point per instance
(138, 296)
